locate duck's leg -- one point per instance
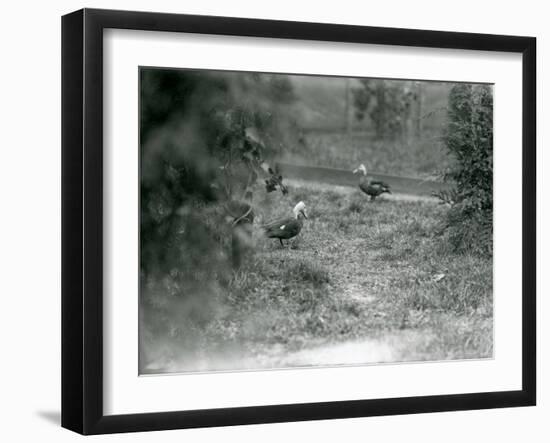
(282, 244)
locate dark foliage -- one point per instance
(206, 141)
(469, 139)
(205, 138)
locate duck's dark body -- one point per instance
(284, 229)
(373, 188)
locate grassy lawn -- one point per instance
(358, 271)
(423, 158)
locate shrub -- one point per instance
(205, 139)
(469, 139)
(205, 142)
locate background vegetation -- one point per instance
(338, 126)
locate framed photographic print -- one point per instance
(269, 221)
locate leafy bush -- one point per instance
(205, 139)
(469, 139)
(205, 142)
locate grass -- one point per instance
(424, 157)
(358, 270)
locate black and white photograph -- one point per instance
(295, 221)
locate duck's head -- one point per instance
(361, 169)
(300, 208)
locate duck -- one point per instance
(372, 188)
(287, 228)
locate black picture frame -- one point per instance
(82, 218)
